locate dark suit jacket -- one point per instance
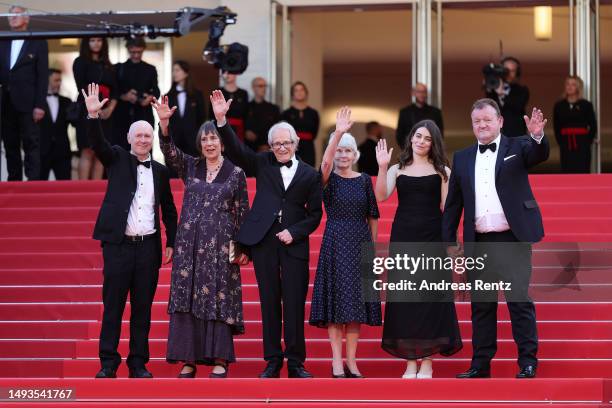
(511, 182)
(300, 203)
(513, 109)
(121, 170)
(185, 128)
(27, 81)
(55, 134)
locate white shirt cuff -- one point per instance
(537, 139)
(219, 124)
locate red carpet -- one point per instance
(50, 310)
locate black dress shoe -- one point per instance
(475, 373)
(527, 372)
(299, 372)
(140, 372)
(272, 370)
(190, 374)
(106, 373)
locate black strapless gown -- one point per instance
(415, 330)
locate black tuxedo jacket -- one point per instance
(515, 157)
(55, 133)
(185, 128)
(300, 203)
(121, 170)
(27, 81)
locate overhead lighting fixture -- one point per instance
(69, 42)
(542, 23)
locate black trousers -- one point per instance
(510, 263)
(19, 129)
(283, 284)
(128, 268)
(57, 160)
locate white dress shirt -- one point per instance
(182, 99)
(53, 102)
(141, 218)
(15, 50)
(288, 172)
(489, 216)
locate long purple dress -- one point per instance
(205, 303)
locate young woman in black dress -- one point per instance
(418, 329)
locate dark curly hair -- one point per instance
(437, 156)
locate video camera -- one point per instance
(494, 75)
(233, 58)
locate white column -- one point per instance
(422, 32)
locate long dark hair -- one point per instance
(436, 155)
(189, 88)
(85, 51)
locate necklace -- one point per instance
(210, 174)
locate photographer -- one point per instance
(511, 96)
(137, 83)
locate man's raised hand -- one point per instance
(535, 124)
(92, 100)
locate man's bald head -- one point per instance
(140, 137)
(420, 93)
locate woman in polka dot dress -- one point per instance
(352, 219)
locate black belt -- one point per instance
(139, 238)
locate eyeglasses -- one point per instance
(278, 145)
(260, 85)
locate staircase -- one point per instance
(50, 312)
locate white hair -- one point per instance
(283, 126)
(139, 124)
(347, 140)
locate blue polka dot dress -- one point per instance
(337, 295)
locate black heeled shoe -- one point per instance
(220, 375)
(343, 375)
(190, 374)
(349, 374)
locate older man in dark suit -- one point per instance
(286, 210)
(489, 182)
(23, 75)
(128, 228)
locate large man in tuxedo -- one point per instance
(129, 229)
(489, 181)
(24, 68)
(286, 210)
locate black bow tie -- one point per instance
(288, 164)
(52, 94)
(147, 163)
(483, 148)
